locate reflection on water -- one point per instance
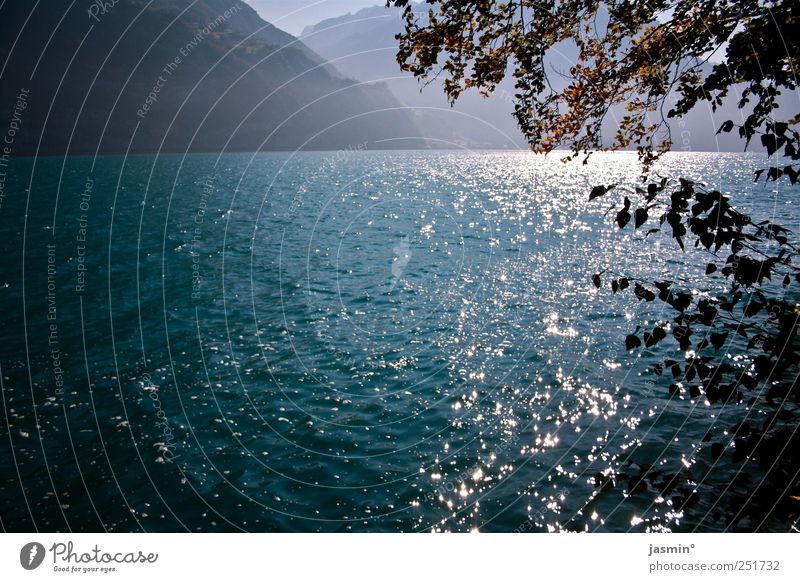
(372, 342)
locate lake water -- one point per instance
(342, 341)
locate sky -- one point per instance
(293, 15)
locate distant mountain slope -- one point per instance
(362, 45)
(201, 75)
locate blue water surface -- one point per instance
(343, 341)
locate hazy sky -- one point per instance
(293, 15)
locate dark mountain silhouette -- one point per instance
(177, 75)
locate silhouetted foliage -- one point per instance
(650, 57)
(732, 331)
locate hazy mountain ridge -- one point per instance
(222, 77)
(362, 45)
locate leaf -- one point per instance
(718, 339)
(623, 283)
(638, 484)
(771, 143)
(747, 381)
(681, 335)
(716, 450)
(603, 481)
(596, 280)
(614, 286)
(774, 174)
(680, 301)
(763, 366)
(624, 216)
(651, 339)
(726, 127)
(779, 128)
(643, 293)
(632, 341)
(691, 372)
(710, 268)
(752, 308)
(598, 191)
(641, 217)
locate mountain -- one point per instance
(362, 45)
(177, 75)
